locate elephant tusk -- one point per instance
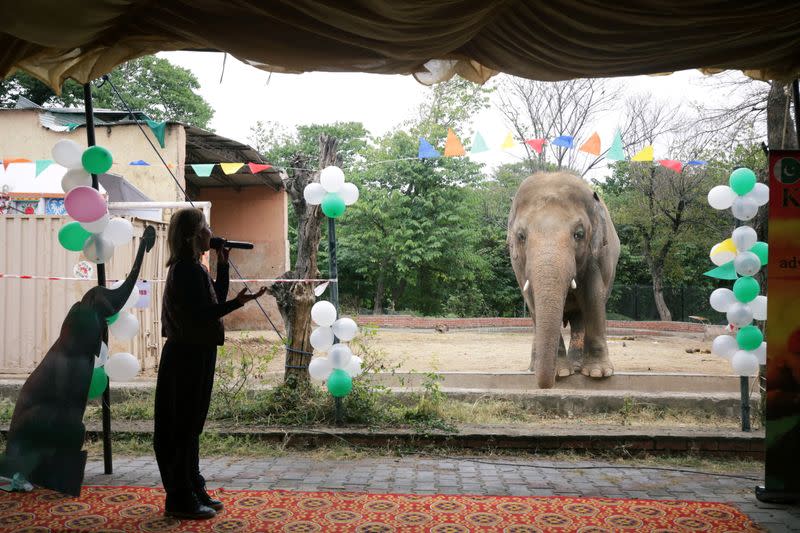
(573, 284)
(527, 284)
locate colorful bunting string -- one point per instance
(230, 168)
(508, 142)
(536, 144)
(42, 164)
(203, 170)
(592, 145)
(645, 154)
(616, 153)
(139, 163)
(159, 129)
(426, 151)
(671, 164)
(478, 144)
(564, 141)
(453, 146)
(255, 168)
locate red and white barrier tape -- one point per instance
(264, 280)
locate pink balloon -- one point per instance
(85, 204)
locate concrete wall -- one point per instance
(21, 136)
(258, 215)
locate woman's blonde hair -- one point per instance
(184, 226)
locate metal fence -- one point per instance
(637, 302)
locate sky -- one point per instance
(246, 95)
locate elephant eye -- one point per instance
(579, 234)
(521, 236)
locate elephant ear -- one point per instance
(599, 239)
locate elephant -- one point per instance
(564, 251)
(46, 433)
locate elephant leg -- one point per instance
(576, 340)
(564, 366)
(596, 363)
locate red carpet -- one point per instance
(141, 509)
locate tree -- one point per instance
(150, 84)
(542, 109)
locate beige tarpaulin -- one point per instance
(547, 39)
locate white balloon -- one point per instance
(76, 177)
(340, 355)
(759, 307)
(349, 193)
(314, 193)
(345, 329)
(747, 264)
(96, 226)
(744, 208)
(721, 197)
(319, 368)
(119, 231)
(744, 238)
(125, 327)
(132, 299)
(101, 359)
(331, 178)
(354, 366)
(97, 250)
(722, 299)
(724, 346)
(322, 338)
(761, 353)
(745, 363)
(122, 367)
(759, 194)
(739, 314)
(323, 313)
(68, 154)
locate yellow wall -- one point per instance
(21, 136)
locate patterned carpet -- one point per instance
(141, 509)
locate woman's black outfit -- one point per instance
(191, 319)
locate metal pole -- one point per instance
(108, 466)
(334, 288)
(745, 389)
(796, 95)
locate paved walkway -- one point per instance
(480, 475)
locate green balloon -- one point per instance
(742, 181)
(339, 383)
(96, 160)
(333, 205)
(72, 236)
(761, 249)
(749, 338)
(746, 289)
(99, 383)
(113, 318)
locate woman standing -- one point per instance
(191, 320)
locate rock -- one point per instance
(442, 328)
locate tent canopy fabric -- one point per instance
(550, 40)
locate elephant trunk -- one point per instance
(550, 280)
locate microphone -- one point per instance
(220, 242)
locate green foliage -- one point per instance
(239, 364)
(150, 84)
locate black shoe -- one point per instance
(187, 507)
(208, 501)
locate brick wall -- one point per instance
(408, 321)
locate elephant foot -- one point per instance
(564, 367)
(598, 369)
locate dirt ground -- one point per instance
(471, 351)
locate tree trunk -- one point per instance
(781, 133)
(658, 294)
(296, 299)
(377, 308)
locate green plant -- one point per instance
(239, 364)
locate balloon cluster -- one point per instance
(744, 255)
(341, 366)
(332, 192)
(93, 232)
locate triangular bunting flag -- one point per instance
(478, 144)
(726, 271)
(508, 142)
(139, 163)
(426, 151)
(255, 168)
(7, 162)
(615, 153)
(696, 162)
(42, 164)
(536, 144)
(565, 141)
(158, 129)
(591, 146)
(453, 146)
(645, 154)
(671, 164)
(230, 168)
(203, 170)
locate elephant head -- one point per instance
(557, 231)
